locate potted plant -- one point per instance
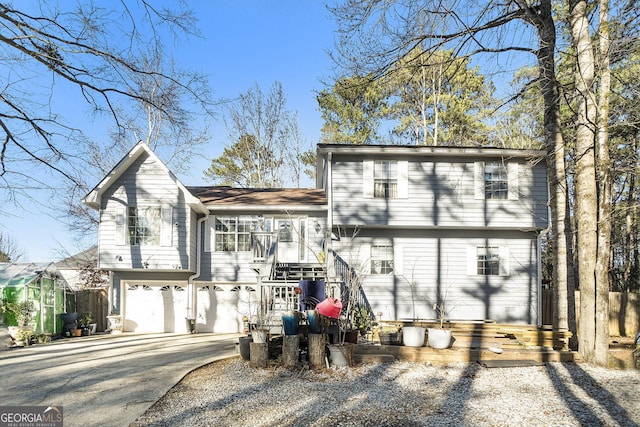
(259, 320)
(354, 315)
(439, 337)
(413, 336)
(21, 314)
(23, 337)
(362, 320)
(42, 338)
(84, 322)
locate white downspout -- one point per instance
(191, 314)
(329, 258)
(539, 273)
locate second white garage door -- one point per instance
(220, 307)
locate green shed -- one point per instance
(40, 283)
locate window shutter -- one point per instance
(512, 175)
(403, 179)
(121, 225)
(478, 180)
(504, 260)
(367, 179)
(398, 260)
(472, 261)
(208, 234)
(364, 257)
(166, 227)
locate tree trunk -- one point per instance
(604, 195)
(554, 143)
(317, 350)
(259, 355)
(290, 347)
(585, 177)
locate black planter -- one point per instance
(69, 323)
(245, 347)
(69, 317)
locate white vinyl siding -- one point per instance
(147, 185)
(434, 264)
(444, 192)
(121, 229)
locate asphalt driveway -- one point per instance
(105, 380)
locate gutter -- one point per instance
(539, 238)
(190, 287)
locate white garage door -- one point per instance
(155, 308)
(220, 307)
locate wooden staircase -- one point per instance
(298, 271)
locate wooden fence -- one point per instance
(624, 312)
(95, 302)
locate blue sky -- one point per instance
(245, 42)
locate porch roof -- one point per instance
(259, 196)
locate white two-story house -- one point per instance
(425, 227)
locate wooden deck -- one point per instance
(479, 342)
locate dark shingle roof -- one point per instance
(259, 196)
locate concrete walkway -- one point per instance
(105, 380)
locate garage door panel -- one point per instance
(155, 308)
(220, 307)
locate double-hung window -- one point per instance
(496, 184)
(385, 179)
(381, 259)
(488, 259)
(144, 226)
(233, 234)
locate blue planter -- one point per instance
(290, 322)
(315, 323)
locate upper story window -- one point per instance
(381, 259)
(488, 259)
(144, 226)
(233, 234)
(385, 179)
(496, 184)
(497, 180)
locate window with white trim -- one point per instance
(233, 233)
(497, 180)
(488, 260)
(496, 184)
(381, 259)
(144, 226)
(385, 179)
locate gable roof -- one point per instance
(80, 260)
(93, 198)
(292, 198)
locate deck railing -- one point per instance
(262, 245)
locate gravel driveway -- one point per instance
(230, 393)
